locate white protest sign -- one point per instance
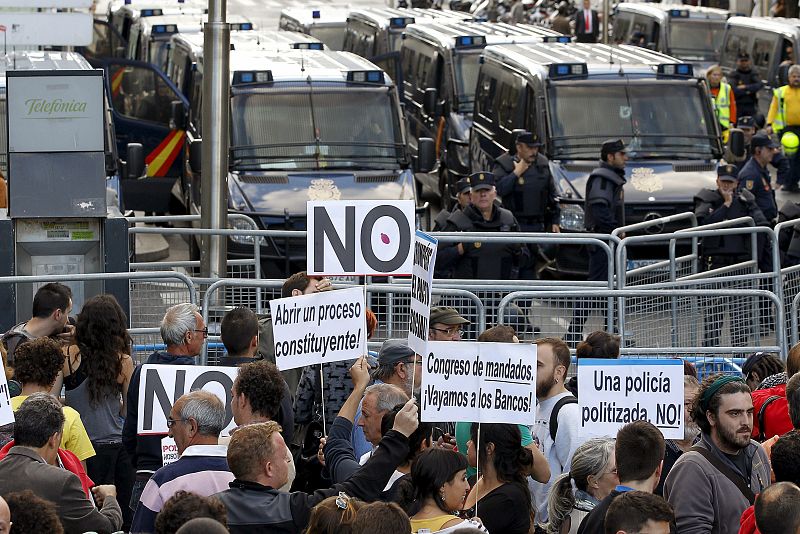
(360, 237)
(317, 328)
(6, 413)
(161, 385)
(169, 450)
(612, 393)
(479, 382)
(425, 248)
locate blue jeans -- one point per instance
(138, 488)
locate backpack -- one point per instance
(762, 412)
(554, 414)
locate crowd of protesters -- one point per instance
(355, 457)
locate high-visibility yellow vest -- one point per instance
(779, 122)
(722, 105)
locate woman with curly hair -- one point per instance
(97, 372)
(503, 463)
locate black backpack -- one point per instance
(554, 414)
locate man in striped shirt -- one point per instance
(195, 422)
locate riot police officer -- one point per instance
(462, 191)
(755, 176)
(526, 186)
(604, 211)
(476, 259)
(715, 205)
(779, 161)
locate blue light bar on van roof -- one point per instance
(365, 76)
(400, 22)
(315, 14)
(308, 46)
(559, 70)
(251, 76)
(165, 28)
(470, 40)
(151, 13)
(675, 69)
(241, 26)
(557, 39)
(679, 13)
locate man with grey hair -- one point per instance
(31, 465)
(378, 400)
(195, 422)
(184, 334)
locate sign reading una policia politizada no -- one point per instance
(360, 237)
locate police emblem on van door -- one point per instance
(645, 179)
(323, 189)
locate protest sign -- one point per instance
(360, 237)
(161, 385)
(316, 328)
(479, 382)
(612, 393)
(6, 413)
(421, 291)
(169, 450)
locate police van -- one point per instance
(122, 17)
(305, 125)
(690, 33)
(440, 62)
(325, 23)
(576, 96)
(185, 49)
(150, 36)
(52, 61)
(770, 42)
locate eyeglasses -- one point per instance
(171, 422)
(204, 331)
(342, 500)
(448, 331)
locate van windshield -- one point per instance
(298, 127)
(694, 40)
(332, 36)
(466, 66)
(658, 118)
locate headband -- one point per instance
(715, 386)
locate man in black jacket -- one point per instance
(713, 206)
(184, 333)
(257, 457)
(604, 212)
(746, 83)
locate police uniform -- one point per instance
(440, 221)
(484, 261)
(725, 250)
(531, 197)
(780, 162)
(756, 179)
(604, 211)
(789, 238)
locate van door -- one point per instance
(765, 58)
(141, 99)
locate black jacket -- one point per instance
(604, 205)
(253, 508)
(530, 197)
(710, 208)
(145, 451)
(746, 86)
(485, 261)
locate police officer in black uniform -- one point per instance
(715, 205)
(462, 191)
(526, 186)
(781, 163)
(604, 212)
(475, 259)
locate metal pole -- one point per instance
(216, 117)
(606, 15)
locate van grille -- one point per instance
(693, 167)
(376, 179)
(264, 179)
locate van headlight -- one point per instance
(572, 217)
(242, 224)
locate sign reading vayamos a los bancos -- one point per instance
(55, 113)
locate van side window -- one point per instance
(736, 43)
(485, 96)
(763, 50)
(509, 101)
(407, 57)
(423, 68)
(622, 26)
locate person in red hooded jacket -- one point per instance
(762, 371)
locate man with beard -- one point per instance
(711, 485)
(674, 447)
(557, 415)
